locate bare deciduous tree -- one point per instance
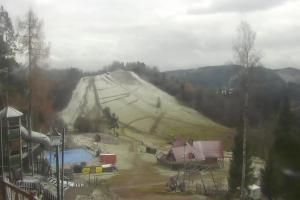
(246, 56)
(243, 47)
(31, 43)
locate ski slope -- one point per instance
(135, 102)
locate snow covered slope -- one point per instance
(140, 106)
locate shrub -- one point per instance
(83, 124)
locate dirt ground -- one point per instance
(138, 176)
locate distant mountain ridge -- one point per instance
(211, 76)
(267, 83)
(222, 75)
(289, 74)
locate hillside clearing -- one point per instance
(141, 107)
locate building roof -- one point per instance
(210, 149)
(179, 142)
(200, 149)
(181, 153)
(9, 112)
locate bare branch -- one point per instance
(243, 46)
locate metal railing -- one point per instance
(10, 191)
(30, 186)
(47, 195)
(43, 193)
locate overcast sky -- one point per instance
(170, 34)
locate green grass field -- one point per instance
(135, 102)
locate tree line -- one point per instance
(30, 85)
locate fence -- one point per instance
(43, 193)
(48, 195)
(30, 186)
(211, 185)
(12, 192)
(26, 190)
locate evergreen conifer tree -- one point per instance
(7, 50)
(281, 176)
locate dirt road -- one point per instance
(143, 181)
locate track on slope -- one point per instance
(135, 102)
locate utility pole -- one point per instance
(57, 174)
(2, 149)
(184, 166)
(182, 186)
(56, 141)
(62, 163)
(7, 81)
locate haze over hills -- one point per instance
(291, 75)
(211, 76)
(227, 76)
(140, 106)
(217, 92)
(221, 75)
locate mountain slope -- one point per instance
(140, 106)
(212, 76)
(291, 75)
(266, 90)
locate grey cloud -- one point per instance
(223, 6)
(92, 33)
(287, 38)
(163, 44)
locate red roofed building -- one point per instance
(212, 150)
(185, 153)
(206, 153)
(178, 142)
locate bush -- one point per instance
(97, 138)
(83, 124)
(77, 169)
